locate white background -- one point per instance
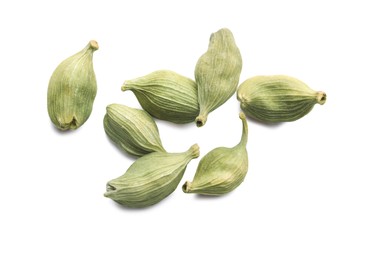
(305, 195)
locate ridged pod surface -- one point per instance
(132, 130)
(150, 179)
(72, 90)
(166, 95)
(222, 169)
(217, 73)
(277, 98)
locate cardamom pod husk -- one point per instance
(150, 179)
(222, 169)
(217, 73)
(166, 95)
(72, 90)
(132, 130)
(277, 98)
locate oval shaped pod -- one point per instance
(222, 169)
(166, 95)
(277, 98)
(217, 73)
(132, 130)
(72, 90)
(150, 179)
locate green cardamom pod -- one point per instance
(222, 169)
(132, 130)
(166, 95)
(277, 98)
(150, 179)
(72, 90)
(217, 73)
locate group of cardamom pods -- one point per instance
(166, 95)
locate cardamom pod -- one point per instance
(217, 73)
(222, 169)
(132, 130)
(277, 98)
(166, 95)
(150, 179)
(72, 90)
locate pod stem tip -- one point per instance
(186, 187)
(93, 45)
(201, 120)
(194, 150)
(124, 87)
(321, 97)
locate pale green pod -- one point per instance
(166, 95)
(132, 130)
(217, 73)
(72, 90)
(150, 179)
(222, 169)
(277, 98)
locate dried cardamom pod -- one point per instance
(277, 98)
(222, 169)
(132, 130)
(72, 90)
(150, 179)
(166, 95)
(217, 73)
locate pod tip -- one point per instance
(186, 187)
(194, 150)
(124, 87)
(93, 44)
(321, 97)
(201, 120)
(65, 125)
(109, 190)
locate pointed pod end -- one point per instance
(125, 87)
(201, 120)
(187, 187)
(65, 125)
(109, 190)
(107, 194)
(321, 97)
(194, 151)
(93, 45)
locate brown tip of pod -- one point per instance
(201, 120)
(187, 187)
(93, 45)
(321, 97)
